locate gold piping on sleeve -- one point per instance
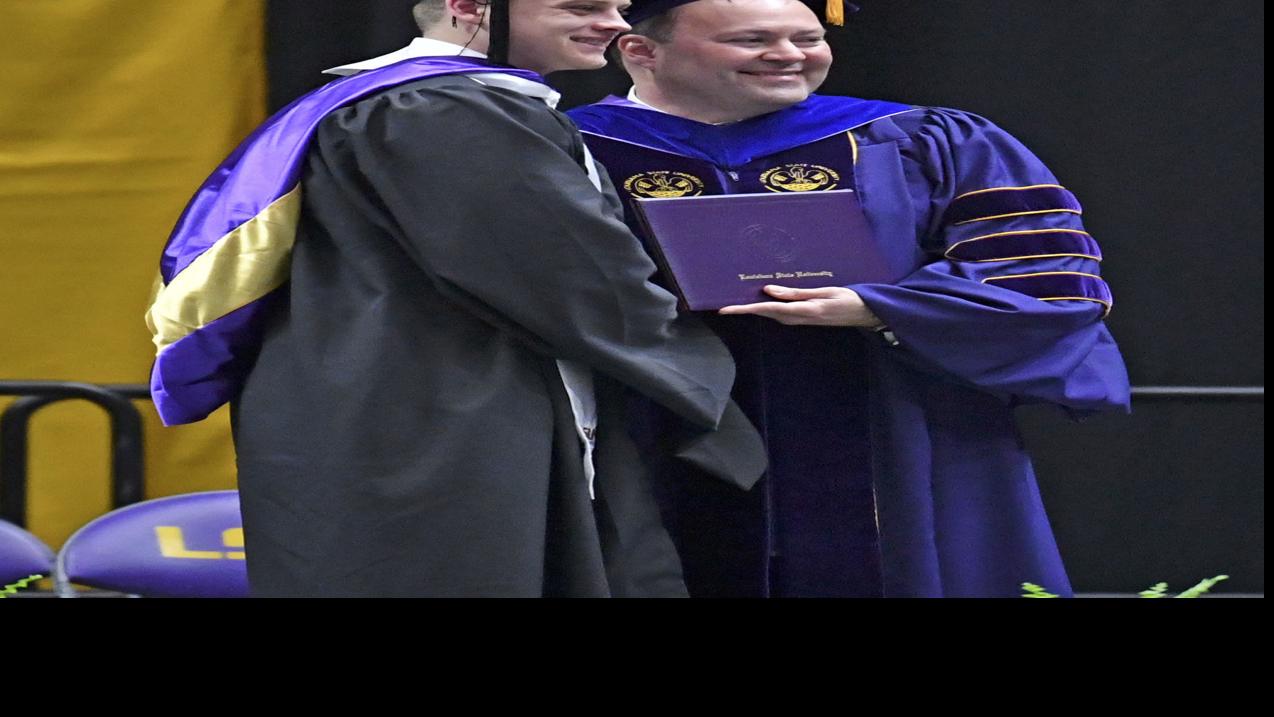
(239, 268)
(1028, 256)
(1018, 233)
(1016, 214)
(947, 254)
(1106, 304)
(1008, 189)
(1041, 273)
(853, 146)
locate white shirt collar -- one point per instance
(632, 97)
(429, 47)
(419, 47)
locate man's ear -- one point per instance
(471, 12)
(637, 50)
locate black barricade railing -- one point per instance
(128, 471)
(1180, 392)
(127, 467)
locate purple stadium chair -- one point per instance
(22, 554)
(180, 546)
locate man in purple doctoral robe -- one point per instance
(896, 468)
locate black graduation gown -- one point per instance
(405, 431)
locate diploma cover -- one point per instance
(721, 250)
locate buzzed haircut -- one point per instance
(657, 28)
(428, 13)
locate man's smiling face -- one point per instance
(742, 57)
(552, 35)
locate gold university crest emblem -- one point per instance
(663, 185)
(799, 178)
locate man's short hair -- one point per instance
(428, 13)
(657, 28)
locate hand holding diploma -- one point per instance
(823, 306)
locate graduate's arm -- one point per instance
(487, 197)
(1012, 301)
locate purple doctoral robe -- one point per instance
(896, 467)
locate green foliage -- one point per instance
(13, 588)
(1203, 587)
(1158, 590)
(1031, 590)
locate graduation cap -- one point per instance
(833, 10)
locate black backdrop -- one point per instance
(1152, 112)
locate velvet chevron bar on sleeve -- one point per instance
(1026, 244)
(1000, 202)
(1057, 286)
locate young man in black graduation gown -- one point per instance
(432, 406)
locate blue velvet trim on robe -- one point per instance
(736, 143)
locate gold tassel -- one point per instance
(835, 12)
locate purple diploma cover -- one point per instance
(721, 250)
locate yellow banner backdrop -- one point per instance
(111, 114)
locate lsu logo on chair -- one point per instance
(172, 544)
